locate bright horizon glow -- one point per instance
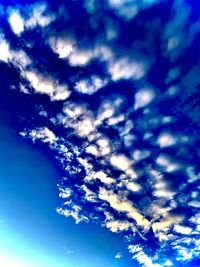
(20, 253)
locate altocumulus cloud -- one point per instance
(113, 87)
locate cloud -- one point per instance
(90, 86)
(126, 69)
(16, 22)
(48, 86)
(143, 97)
(42, 133)
(37, 16)
(118, 255)
(166, 139)
(4, 47)
(123, 206)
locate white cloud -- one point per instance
(120, 162)
(46, 85)
(65, 192)
(168, 263)
(40, 83)
(166, 139)
(141, 257)
(89, 195)
(140, 154)
(124, 206)
(74, 212)
(125, 69)
(44, 134)
(16, 22)
(85, 127)
(18, 57)
(92, 149)
(61, 46)
(166, 222)
(4, 48)
(145, 260)
(118, 226)
(184, 230)
(191, 174)
(118, 255)
(132, 186)
(90, 86)
(194, 203)
(102, 176)
(80, 57)
(168, 163)
(37, 17)
(143, 98)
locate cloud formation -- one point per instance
(115, 97)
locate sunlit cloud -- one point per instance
(16, 22)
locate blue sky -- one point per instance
(99, 112)
(31, 231)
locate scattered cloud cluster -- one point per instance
(117, 104)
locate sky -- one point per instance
(31, 231)
(100, 133)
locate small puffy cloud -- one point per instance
(16, 22)
(118, 255)
(63, 47)
(91, 85)
(80, 57)
(166, 139)
(140, 154)
(168, 263)
(167, 163)
(118, 226)
(126, 69)
(132, 186)
(143, 97)
(184, 230)
(120, 162)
